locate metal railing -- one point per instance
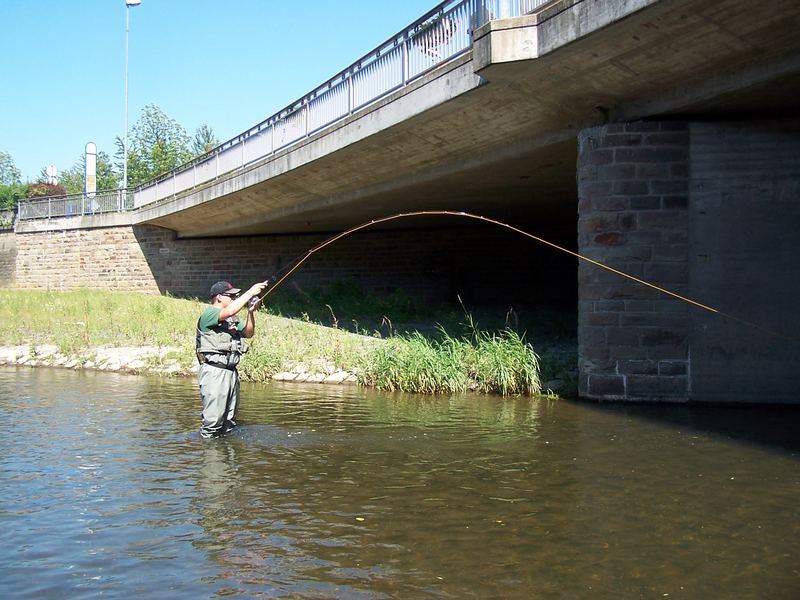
(441, 35)
(76, 205)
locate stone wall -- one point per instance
(485, 264)
(8, 257)
(633, 187)
(706, 210)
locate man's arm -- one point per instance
(238, 303)
(250, 325)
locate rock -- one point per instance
(285, 376)
(336, 378)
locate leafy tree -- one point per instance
(204, 140)
(157, 144)
(73, 178)
(11, 186)
(11, 194)
(9, 173)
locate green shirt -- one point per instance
(210, 318)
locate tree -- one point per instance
(73, 178)
(11, 186)
(9, 173)
(157, 144)
(204, 140)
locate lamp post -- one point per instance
(128, 4)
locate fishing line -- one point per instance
(451, 213)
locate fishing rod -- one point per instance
(298, 262)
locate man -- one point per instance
(220, 345)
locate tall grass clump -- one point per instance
(413, 363)
(494, 363)
(503, 363)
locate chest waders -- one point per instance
(218, 351)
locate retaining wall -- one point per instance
(485, 264)
(8, 257)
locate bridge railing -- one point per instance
(441, 35)
(75, 205)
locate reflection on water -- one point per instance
(336, 492)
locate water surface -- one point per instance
(337, 492)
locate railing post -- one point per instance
(49, 208)
(350, 92)
(406, 41)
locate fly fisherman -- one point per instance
(220, 345)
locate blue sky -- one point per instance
(229, 64)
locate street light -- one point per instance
(128, 4)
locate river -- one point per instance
(340, 492)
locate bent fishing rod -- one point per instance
(298, 262)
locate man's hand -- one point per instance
(254, 303)
(255, 295)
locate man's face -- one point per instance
(226, 298)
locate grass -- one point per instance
(77, 321)
(493, 362)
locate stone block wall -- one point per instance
(8, 257)
(485, 264)
(104, 258)
(708, 210)
(633, 186)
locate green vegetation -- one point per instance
(158, 143)
(498, 362)
(491, 363)
(374, 315)
(11, 186)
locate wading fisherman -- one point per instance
(220, 345)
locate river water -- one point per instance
(339, 492)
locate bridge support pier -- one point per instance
(706, 210)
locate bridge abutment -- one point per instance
(705, 210)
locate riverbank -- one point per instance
(142, 333)
(154, 360)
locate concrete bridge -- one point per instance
(660, 137)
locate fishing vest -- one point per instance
(222, 345)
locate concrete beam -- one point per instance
(112, 219)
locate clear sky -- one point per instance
(225, 63)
